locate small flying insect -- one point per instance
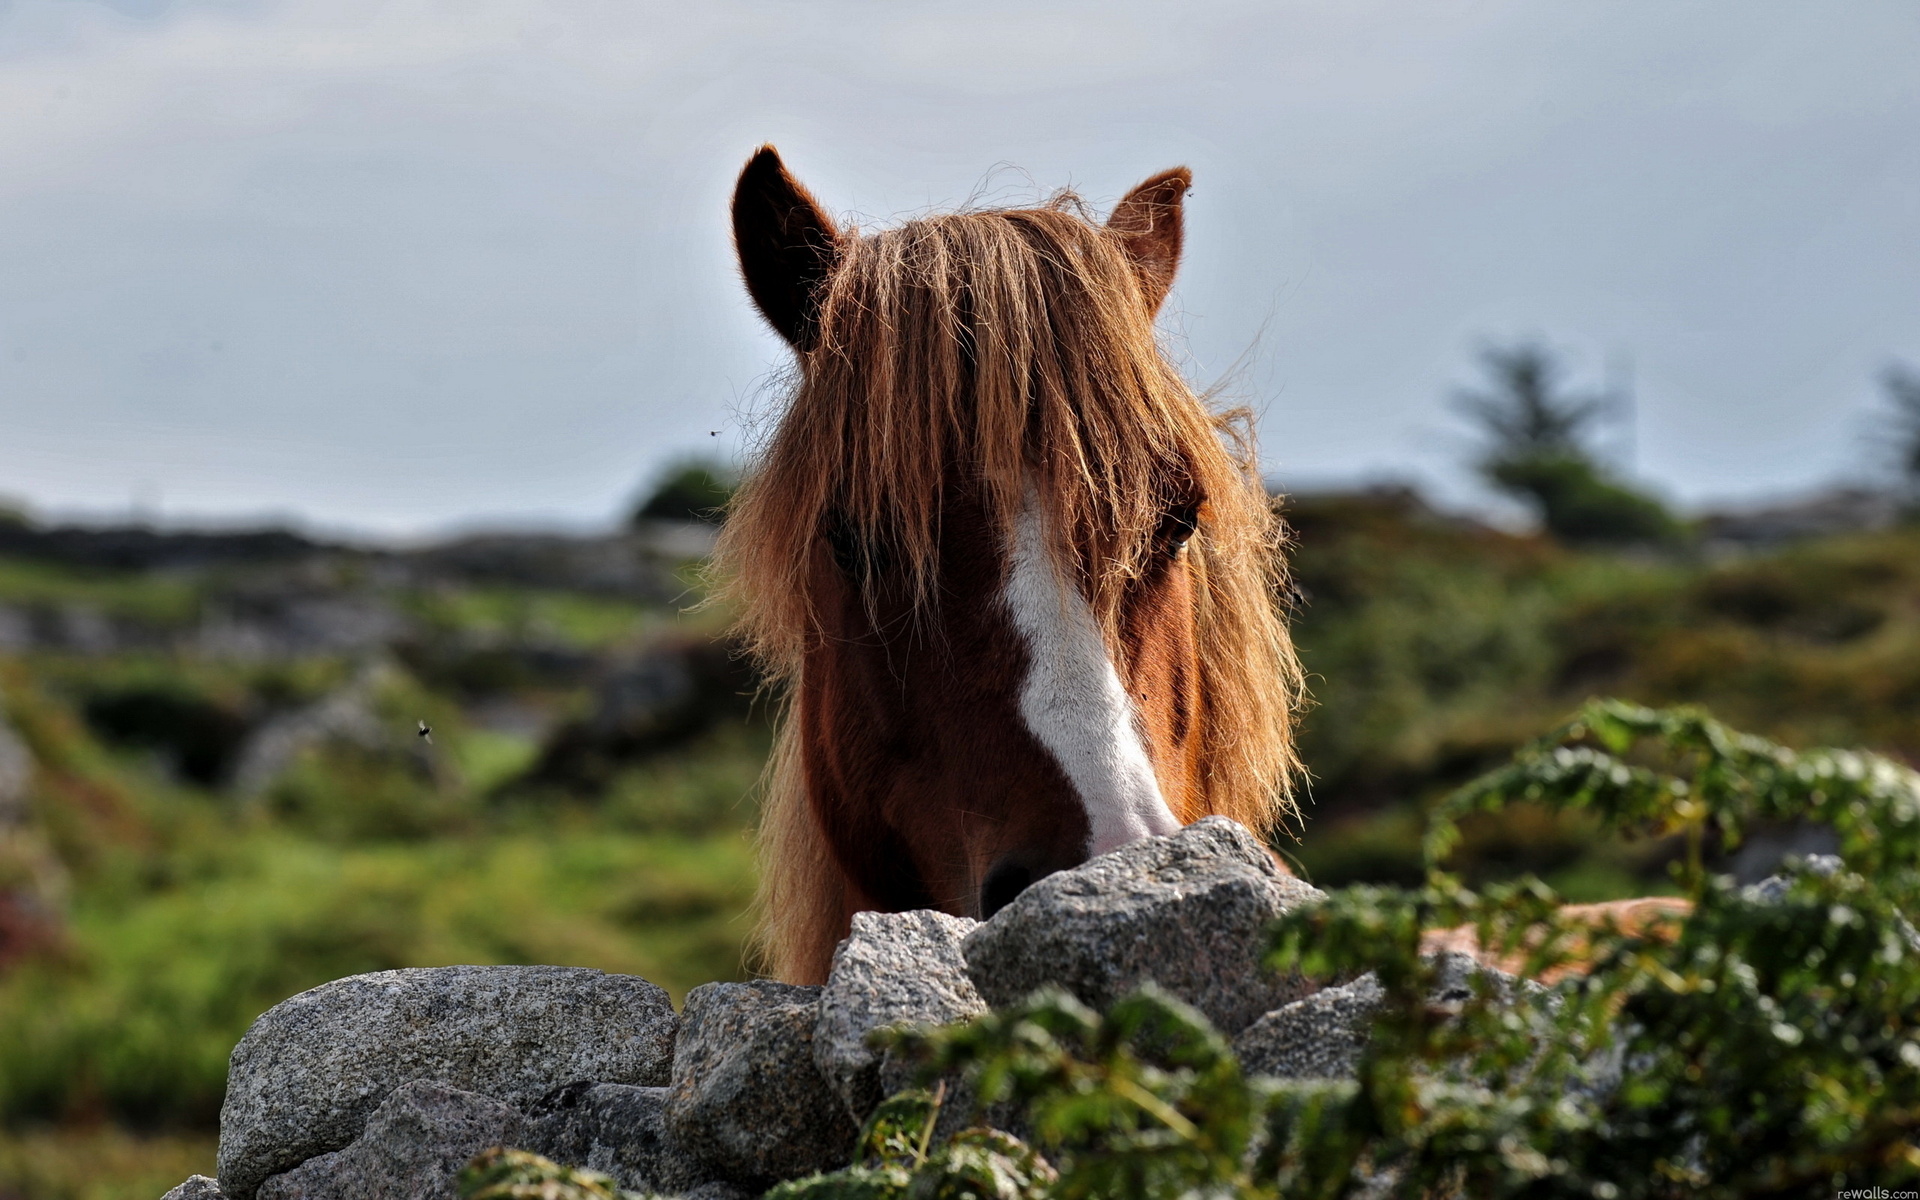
(426, 733)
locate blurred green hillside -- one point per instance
(1436, 645)
(214, 792)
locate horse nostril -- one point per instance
(1004, 882)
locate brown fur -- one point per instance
(945, 366)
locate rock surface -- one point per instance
(1323, 1035)
(412, 1148)
(893, 969)
(615, 1129)
(310, 1072)
(748, 1103)
(1320, 1035)
(1188, 911)
(1457, 974)
(197, 1187)
(1773, 887)
(16, 773)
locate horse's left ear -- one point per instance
(787, 244)
(1149, 224)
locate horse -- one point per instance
(1020, 585)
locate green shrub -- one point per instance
(502, 1174)
(1539, 449)
(695, 489)
(897, 1156)
(1578, 502)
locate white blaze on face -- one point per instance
(1073, 700)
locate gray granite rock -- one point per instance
(1768, 848)
(615, 1129)
(893, 969)
(1189, 912)
(1323, 1035)
(1320, 1035)
(412, 1148)
(306, 1077)
(197, 1187)
(1773, 887)
(1456, 975)
(747, 1102)
(16, 774)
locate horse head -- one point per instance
(1019, 582)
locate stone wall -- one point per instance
(385, 1085)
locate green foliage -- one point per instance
(186, 913)
(1577, 501)
(1527, 412)
(1538, 449)
(1902, 385)
(1766, 1051)
(1438, 646)
(1766, 1045)
(695, 490)
(501, 1174)
(897, 1159)
(1656, 772)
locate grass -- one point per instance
(98, 1162)
(151, 599)
(138, 1017)
(520, 614)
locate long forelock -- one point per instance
(996, 351)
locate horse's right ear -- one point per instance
(787, 246)
(1151, 228)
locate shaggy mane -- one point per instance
(1007, 349)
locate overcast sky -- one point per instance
(391, 267)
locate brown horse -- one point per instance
(1018, 580)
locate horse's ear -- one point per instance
(1149, 224)
(787, 246)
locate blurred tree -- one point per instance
(1902, 384)
(1539, 451)
(694, 489)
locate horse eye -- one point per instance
(857, 555)
(845, 544)
(1177, 526)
